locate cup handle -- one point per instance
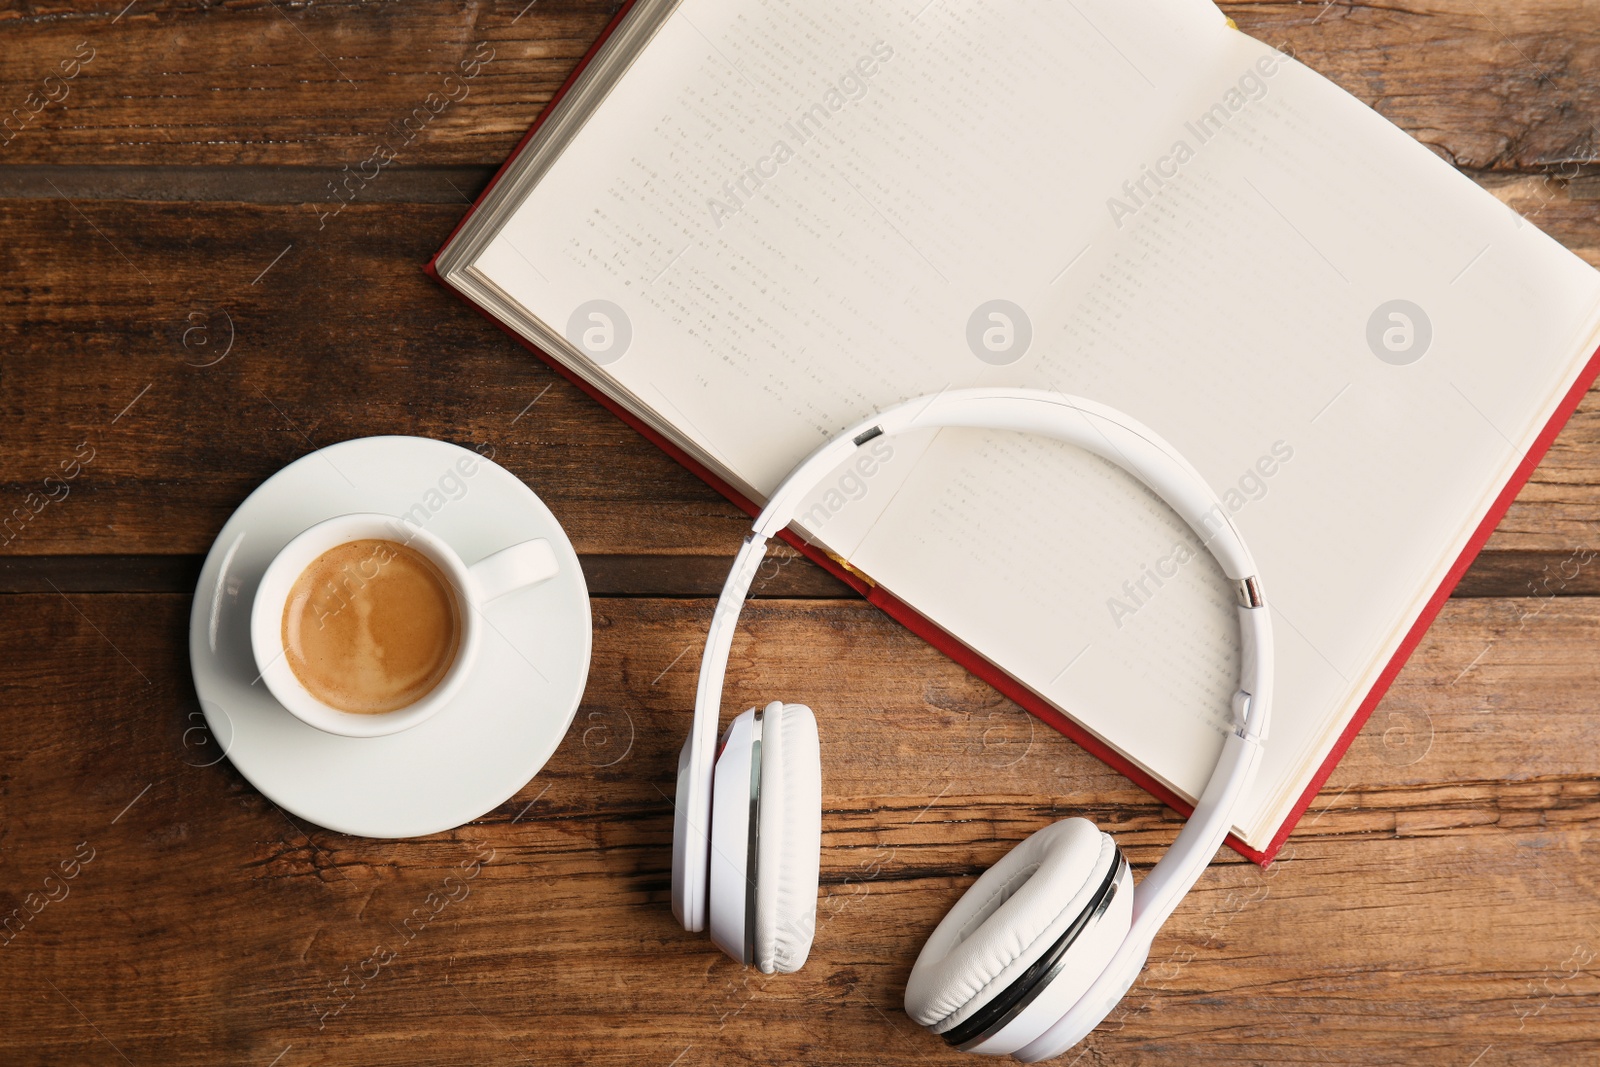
(497, 574)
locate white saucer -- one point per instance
(496, 734)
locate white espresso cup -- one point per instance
(498, 573)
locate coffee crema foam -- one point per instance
(371, 626)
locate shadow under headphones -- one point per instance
(1042, 946)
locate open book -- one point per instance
(748, 223)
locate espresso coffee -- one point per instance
(371, 626)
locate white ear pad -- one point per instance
(791, 837)
(1025, 941)
(763, 886)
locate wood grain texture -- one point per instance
(284, 81)
(1489, 86)
(208, 926)
(256, 82)
(343, 336)
(1436, 906)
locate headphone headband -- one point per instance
(1092, 427)
(1120, 440)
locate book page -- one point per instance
(797, 196)
(785, 218)
(1232, 307)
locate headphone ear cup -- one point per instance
(1025, 941)
(790, 852)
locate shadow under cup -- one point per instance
(278, 584)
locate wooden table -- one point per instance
(185, 312)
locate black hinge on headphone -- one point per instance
(866, 435)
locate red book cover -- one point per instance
(972, 661)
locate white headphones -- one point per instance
(1041, 948)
